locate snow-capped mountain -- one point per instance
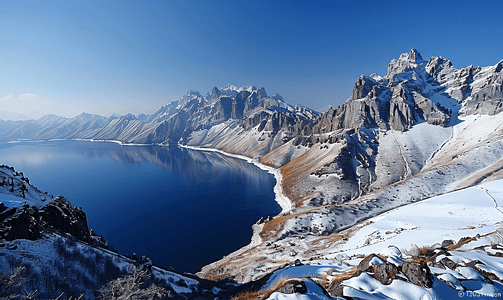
(172, 123)
(423, 130)
(401, 138)
(12, 116)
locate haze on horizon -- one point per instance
(69, 57)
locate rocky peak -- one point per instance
(129, 117)
(405, 62)
(248, 88)
(438, 66)
(215, 93)
(277, 97)
(193, 93)
(363, 86)
(262, 93)
(413, 56)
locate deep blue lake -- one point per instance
(182, 208)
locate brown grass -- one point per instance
(338, 278)
(238, 262)
(215, 275)
(247, 295)
(263, 293)
(383, 257)
(424, 250)
(280, 220)
(418, 260)
(276, 286)
(301, 167)
(461, 243)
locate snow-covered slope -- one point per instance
(358, 162)
(423, 235)
(16, 190)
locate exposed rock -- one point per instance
(396, 101)
(98, 240)
(336, 290)
(364, 265)
(447, 243)
(418, 274)
(385, 273)
(488, 99)
(449, 263)
(61, 215)
(20, 223)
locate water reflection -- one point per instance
(165, 202)
(193, 164)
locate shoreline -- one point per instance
(283, 201)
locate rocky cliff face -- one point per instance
(398, 100)
(29, 222)
(38, 212)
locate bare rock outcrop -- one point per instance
(61, 215)
(418, 274)
(398, 101)
(29, 222)
(19, 223)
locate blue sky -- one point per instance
(66, 57)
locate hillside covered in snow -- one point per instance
(410, 165)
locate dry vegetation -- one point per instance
(301, 167)
(247, 295)
(461, 242)
(273, 224)
(340, 277)
(263, 293)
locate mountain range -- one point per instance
(423, 130)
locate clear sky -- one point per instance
(67, 57)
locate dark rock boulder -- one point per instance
(19, 223)
(29, 222)
(448, 263)
(98, 240)
(364, 265)
(418, 274)
(61, 215)
(336, 290)
(385, 273)
(447, 243)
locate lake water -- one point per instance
(182, 208)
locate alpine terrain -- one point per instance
(395, 194)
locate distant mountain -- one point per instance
(422, 130)
(172, 123)
(12, 116)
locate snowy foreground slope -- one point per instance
(422, 235)
(397, 236)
